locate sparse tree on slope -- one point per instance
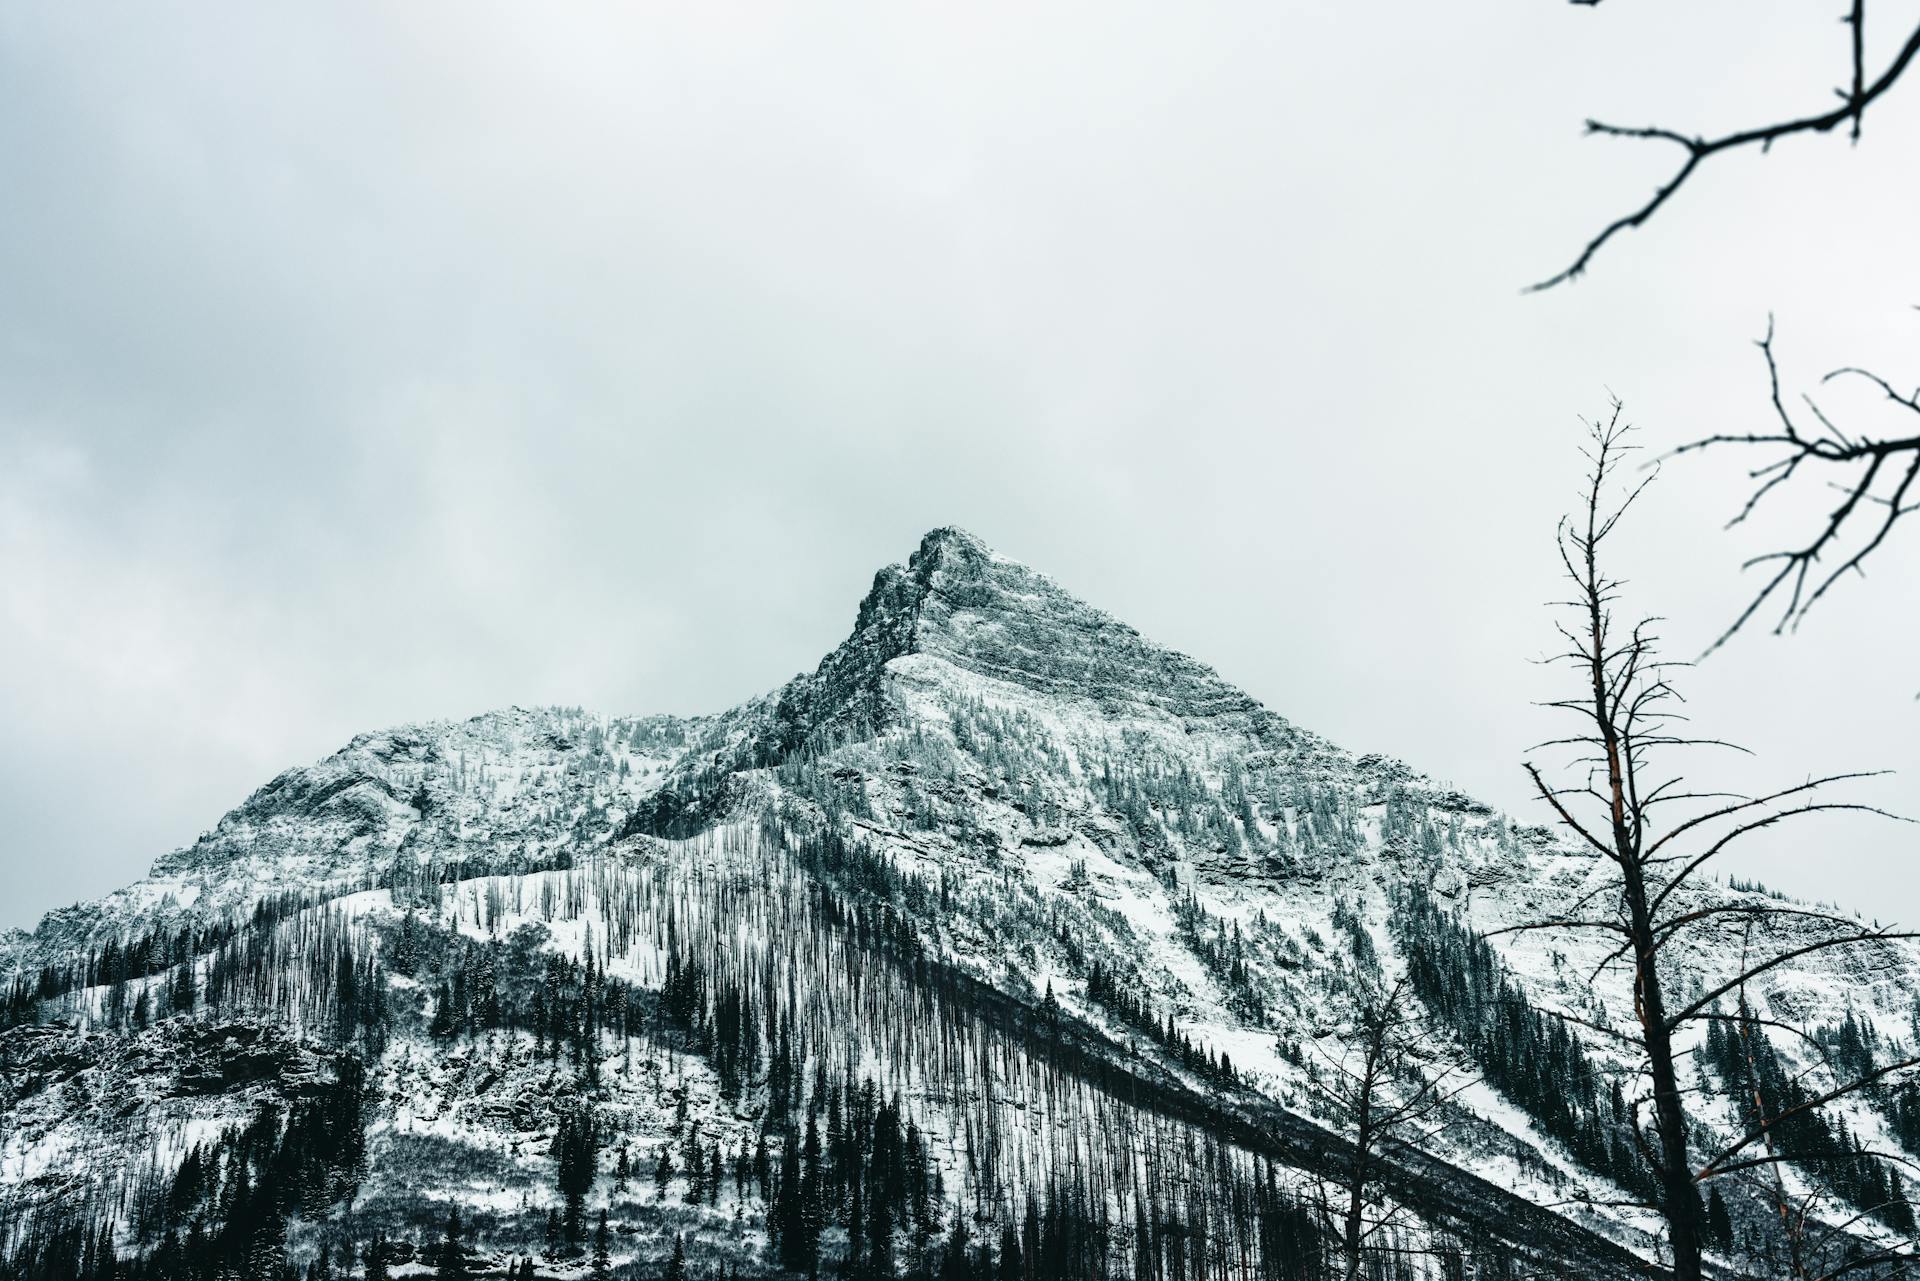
(452, 1263)
(602, 1261)
(1385, 1100)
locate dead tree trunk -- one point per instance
(1627, 722)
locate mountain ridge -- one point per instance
(950, 567)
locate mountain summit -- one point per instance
(998, 619)
(1002, 934)
(957, 619)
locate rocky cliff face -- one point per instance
(998, 856)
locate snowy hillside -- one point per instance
(1004, 939)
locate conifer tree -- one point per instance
(663, 1172)
(452, 1255)
(602, 1262)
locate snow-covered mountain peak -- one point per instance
(996, 618)
(994, 811)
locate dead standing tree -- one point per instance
(1386, 1101)
(1627, 805)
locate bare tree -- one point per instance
(1876, 478)
(1624, 801)
(1385, 1097)
(1860, 91)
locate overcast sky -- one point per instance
(368, 364)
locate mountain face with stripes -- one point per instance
(1004, 943)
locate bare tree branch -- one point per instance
(1875, 473)
(1854, 101)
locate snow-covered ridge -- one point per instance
(504, 790)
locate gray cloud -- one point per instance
(384, 363)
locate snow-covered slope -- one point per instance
(517, 789)
(1005, 903)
